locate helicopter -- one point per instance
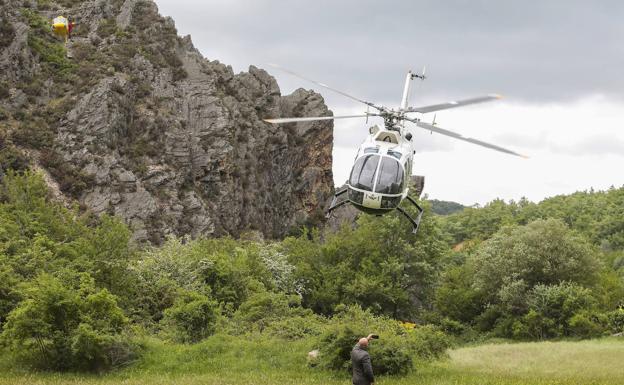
(378, 182)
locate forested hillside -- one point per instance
(77, 294)
(445, 207)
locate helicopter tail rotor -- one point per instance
(422, 75)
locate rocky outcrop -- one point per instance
(152, 132)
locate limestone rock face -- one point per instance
(154, 133)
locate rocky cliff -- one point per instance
(131, 120)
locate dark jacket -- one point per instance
(362, 368)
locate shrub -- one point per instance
(615, 320)
(263, 307)
(71, 180)
(392, 354)
(587, 324)
(452, 327)
(66, 324)
(35, 133)
(428, 342)
(7, 32)
(192, 317)
(297, 327)
(11, 158)
(8, 294)
(106, 28)
(4, 90)
(336, 345)
(52, 54)
(555, 311)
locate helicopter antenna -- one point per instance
(422, 75)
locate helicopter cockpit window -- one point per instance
(395, 154)
(371, 150)
(363, 172)
(390, 177)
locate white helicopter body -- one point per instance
(379, 179)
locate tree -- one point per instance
(380, 265)
(542, 252)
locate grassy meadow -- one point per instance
(236, 361)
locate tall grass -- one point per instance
(583, 362)
(227, 360)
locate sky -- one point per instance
(558, 64)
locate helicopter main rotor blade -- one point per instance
(325, 86)
(453, 104)
(314, 118)
(452, 134)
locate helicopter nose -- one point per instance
(372, 200)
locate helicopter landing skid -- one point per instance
(415, 222)
(335, 204)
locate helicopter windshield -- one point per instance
(363, 172)
(384, 174)
(389, 177)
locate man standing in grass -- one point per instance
(361, 363)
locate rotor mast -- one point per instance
(408, 83)
(406, 89)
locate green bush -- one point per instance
(392, 354)
(297, 327)
(562, 310)
(336, 345)
(616, 320)
(49, 49)
(71, 180)
(66, 324)
(11, 158)
(587, 325)
(9, 297)
(192, 317)
(428, 342)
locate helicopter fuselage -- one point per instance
(378, 182)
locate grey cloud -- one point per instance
(595, 145)
(598, 145)
(530, 50)
(524, 141)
